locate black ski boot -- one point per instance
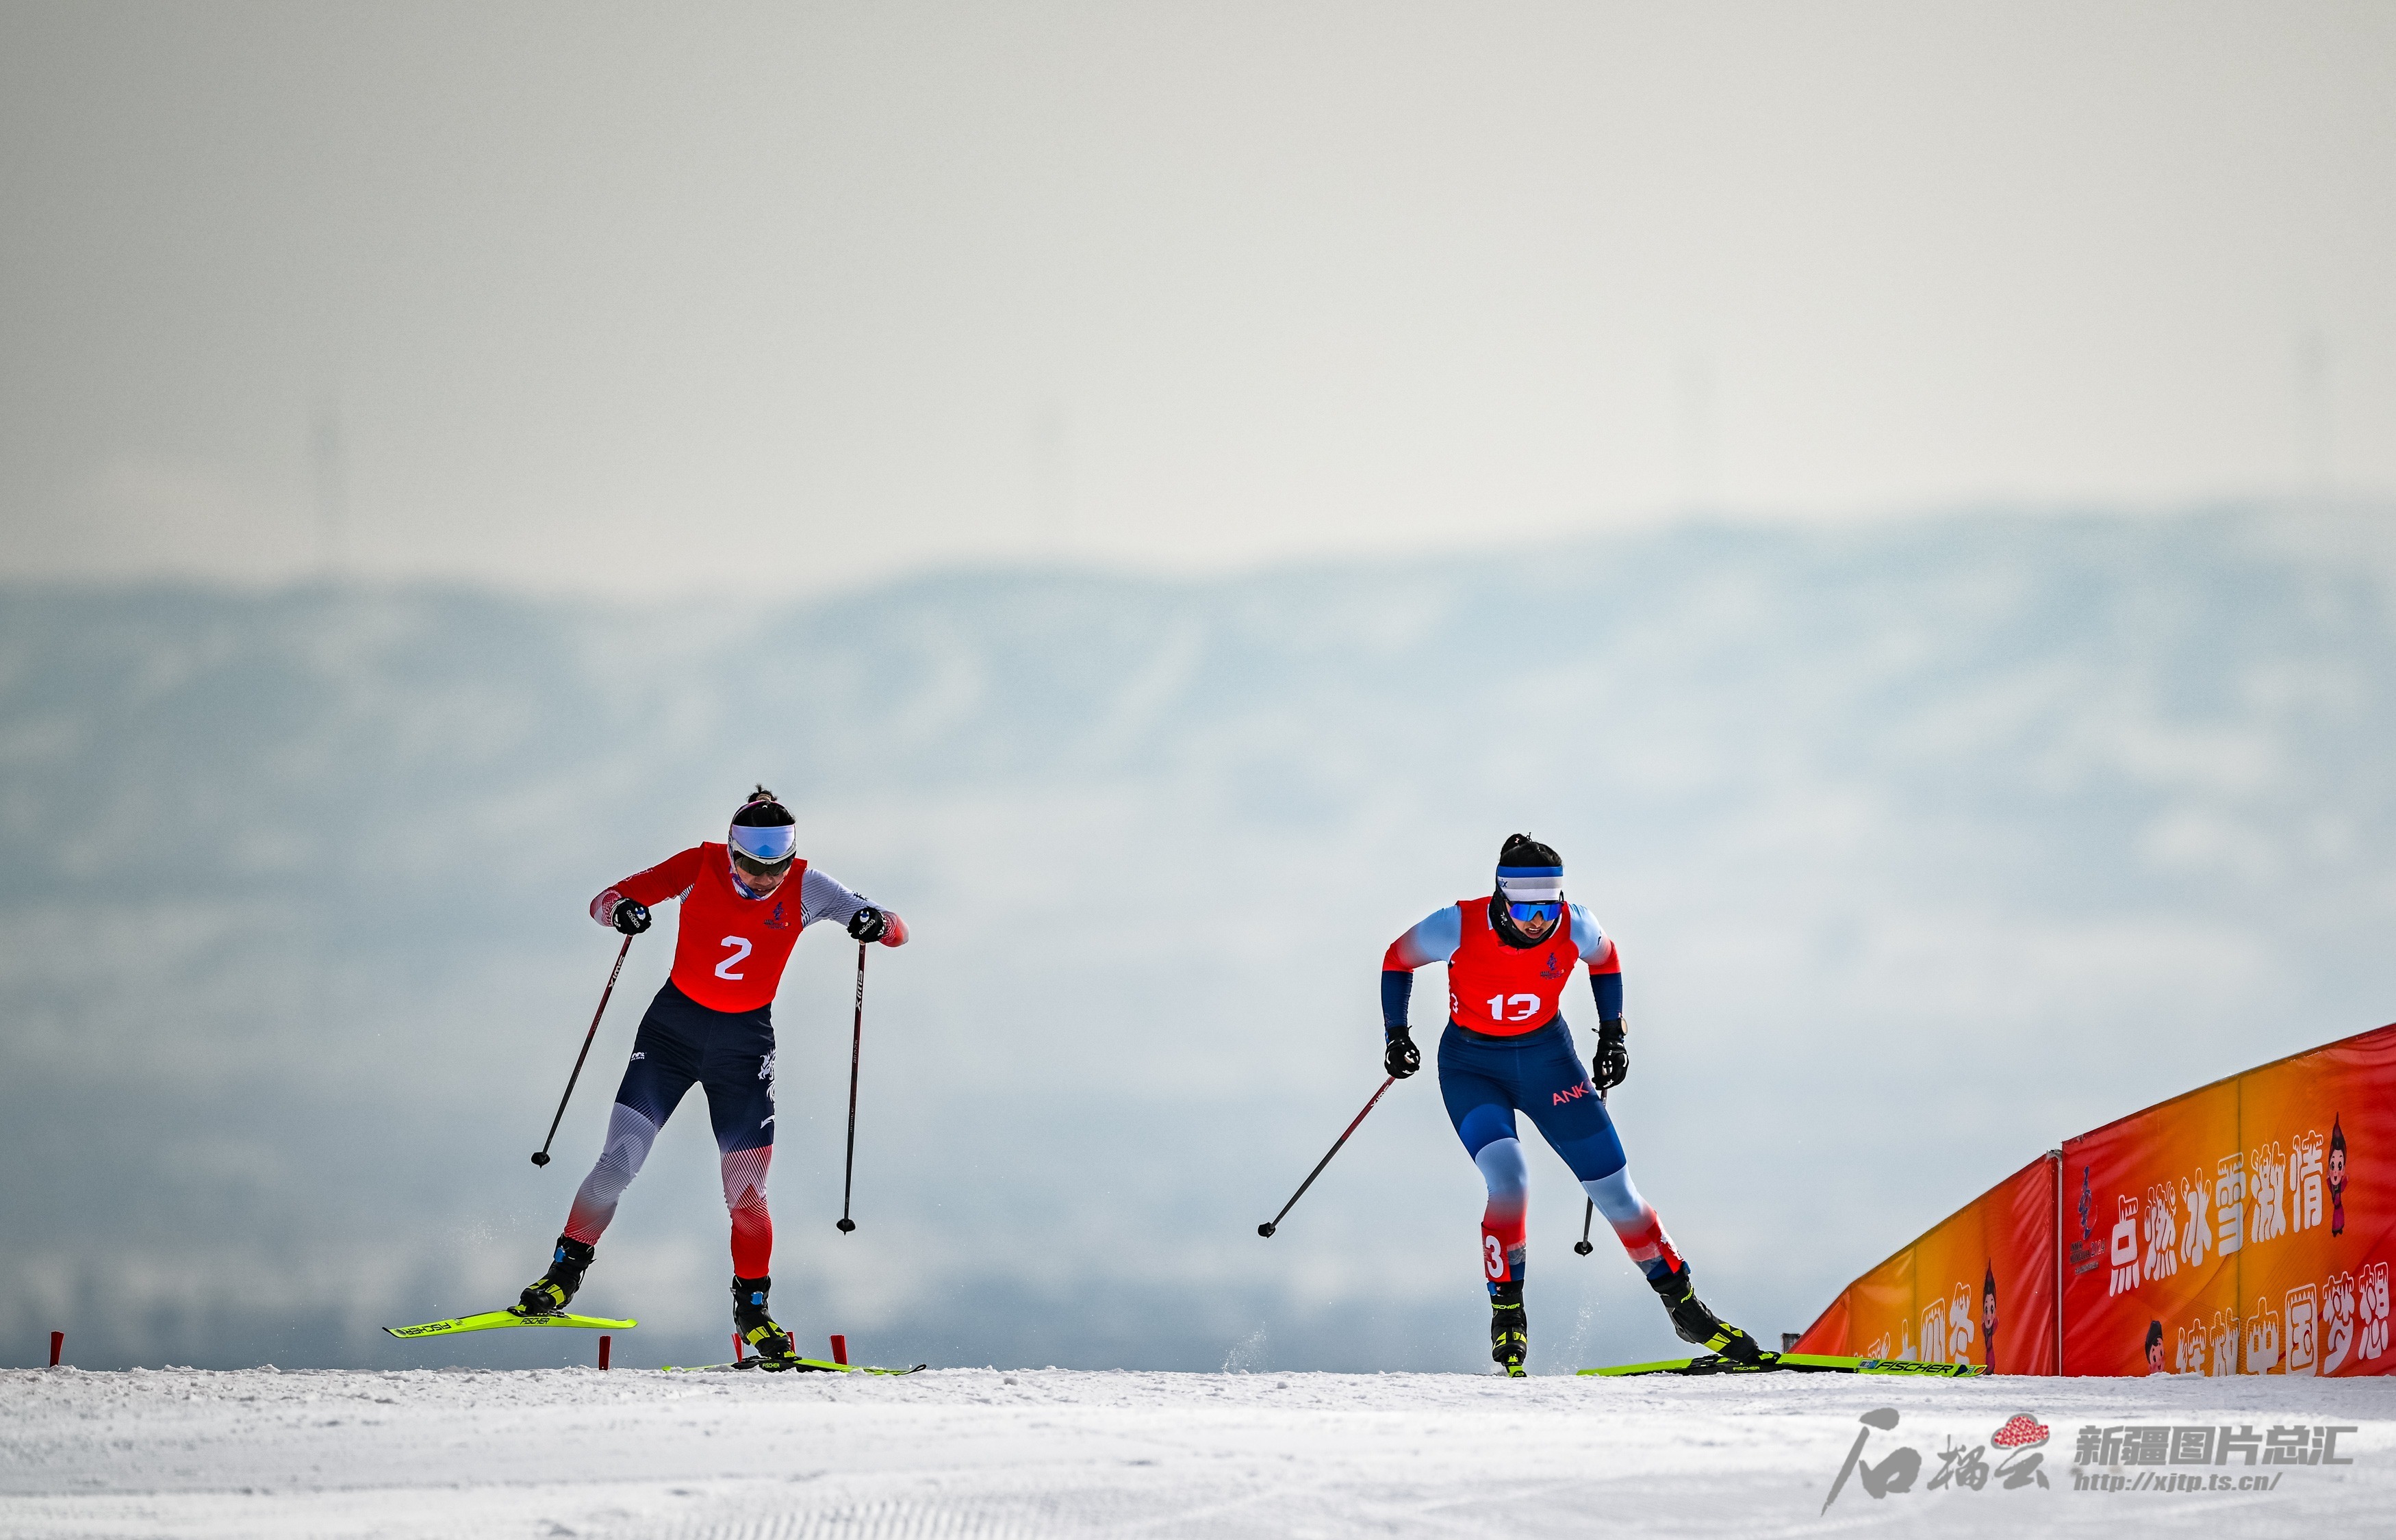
(1509, 1338)
(1693, 1322)
(757, 1328)
(549, 1293)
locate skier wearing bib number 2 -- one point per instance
(743, 905)
(1506, 1049)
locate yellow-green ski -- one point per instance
(788, 1366)
(1798, 1363)
(493, 1320)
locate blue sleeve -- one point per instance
(1607, 986)
(1397, 988)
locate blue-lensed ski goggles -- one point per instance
(1524, 914)
(765, 843)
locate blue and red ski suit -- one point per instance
(711, 1025)
(1506, 1050)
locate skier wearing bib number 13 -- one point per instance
(1509, 957)
(743, 904)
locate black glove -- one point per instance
(1398, 1056)
(867, 924)
(1612, 1065)
(631, 918)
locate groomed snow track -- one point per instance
(1045, 1454)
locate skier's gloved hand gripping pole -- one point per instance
(1611, 1063)
(631, 926)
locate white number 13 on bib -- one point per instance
(1506, 1007)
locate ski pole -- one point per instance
(856, 1050)
(1590, 1213)
(1272, 1223)
(1582, 1247)
(540, 1156)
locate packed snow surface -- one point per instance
(974, 1453)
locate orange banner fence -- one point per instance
(2244, 1228)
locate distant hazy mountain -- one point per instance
(1926, 845)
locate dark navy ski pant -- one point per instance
(683, 1044)
(1484, 1081)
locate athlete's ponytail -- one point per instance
(1521, 850)
(762, 810)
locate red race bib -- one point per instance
(730, 951)
(1503, 991)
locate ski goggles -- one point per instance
(762, 847)
(1535, 916)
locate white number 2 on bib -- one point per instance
(740, 948)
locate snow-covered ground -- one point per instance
(959, 1453)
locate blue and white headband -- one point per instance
(765, 843)
(1531, 885)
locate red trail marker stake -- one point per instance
(604, 1340)
(57, 1345)
(839, 1348)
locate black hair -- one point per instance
(762, 810)
(2154, 1333)
(1521, 850)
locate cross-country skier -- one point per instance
(1509, 954)
(743, 905)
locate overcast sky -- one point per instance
(649, 300)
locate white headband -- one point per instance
(1535, 886)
